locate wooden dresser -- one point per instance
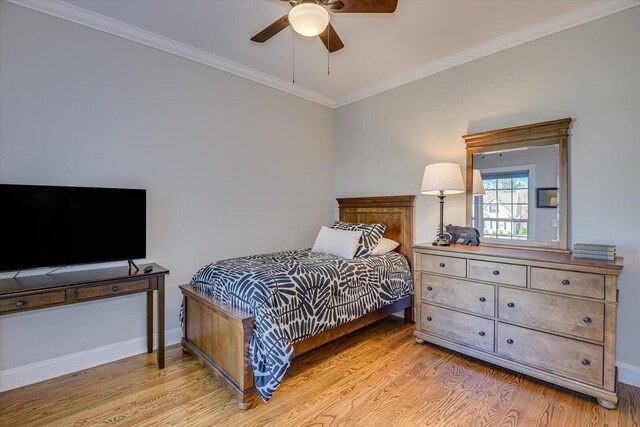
(544, 314)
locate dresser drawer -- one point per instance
(464, 328)
(575, 359)
(460, 294)
(443, 265)
(112, 289)
(568, 282)
(584, 319)
(497, 272)
(8, 305)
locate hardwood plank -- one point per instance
(82, 394)
(370, 380)
(374, 376)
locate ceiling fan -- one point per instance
(311, 18)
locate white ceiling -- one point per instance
(381, 50)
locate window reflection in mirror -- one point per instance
(513, 181)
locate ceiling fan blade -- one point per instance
(366, 6)
(333, 42)
(271, 30)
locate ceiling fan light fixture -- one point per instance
(309, 19)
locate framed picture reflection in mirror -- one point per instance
(547, 198)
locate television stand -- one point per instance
(52, 290)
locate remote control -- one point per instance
(148, 269)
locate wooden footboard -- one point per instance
(218, 335)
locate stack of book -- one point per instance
(587, 250)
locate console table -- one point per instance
(52, 290)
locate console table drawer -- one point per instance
(461, 294)
(465, 328)
(568, 282)
(112, 289)
(497, 272)
(443, 265)
(564, 356)
(584, 319)
(8, 305)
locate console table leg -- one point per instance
(150, 322)
(161, 322)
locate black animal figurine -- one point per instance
(469, 235)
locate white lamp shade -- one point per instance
(309, 19)
(478, 187)
(442, 177)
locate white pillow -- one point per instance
(384, 246)
(341, 243)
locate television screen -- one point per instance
(46, 226)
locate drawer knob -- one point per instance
(511, 305)
(586, 362)
(587, 319)
(19, 304)
(496, 272)
(481, 333)
(509, 341)
(429, 288)
(482, 299)
(114, 289)
(429, 318)
(566, 282)
(442, 264)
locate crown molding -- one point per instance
(78, 15)
(87, 18)
(559, 23)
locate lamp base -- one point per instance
(440, 242)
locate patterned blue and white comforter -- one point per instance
(297, 294)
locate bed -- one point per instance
(219, 334)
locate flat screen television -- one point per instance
(47, 226)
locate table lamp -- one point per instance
(442, 179)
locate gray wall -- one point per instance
(231, 167)
(590, 73)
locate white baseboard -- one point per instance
(628, 374)
(47, 369)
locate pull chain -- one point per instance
(328, 51)
(293, 62)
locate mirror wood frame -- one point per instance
(533, 135)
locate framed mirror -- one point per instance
(517, 185)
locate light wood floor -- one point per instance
(377, 376)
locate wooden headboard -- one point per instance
(396, 212)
